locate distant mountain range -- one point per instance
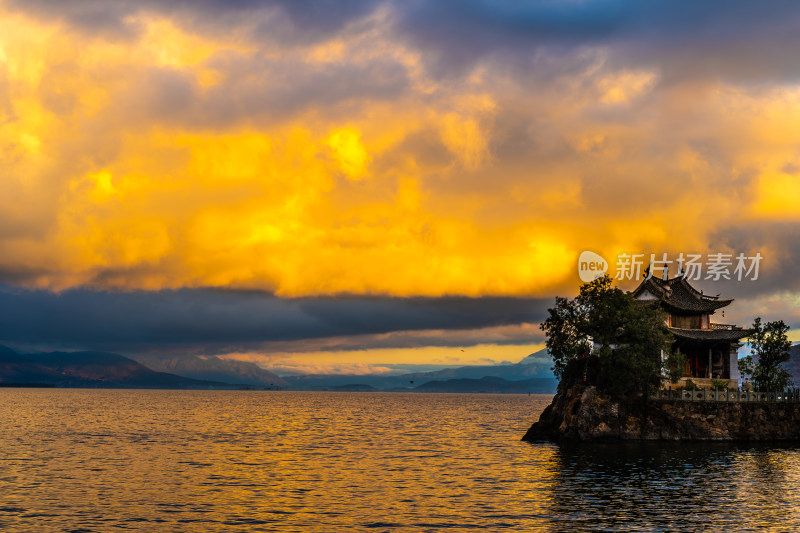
(490, 384)
(89, 369)
(110, 370)
(534, 369)
(214, 369)
(533, 374)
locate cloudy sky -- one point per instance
(343, 185)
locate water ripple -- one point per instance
(95, 460)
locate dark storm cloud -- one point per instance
(168, 319)
(736, 39)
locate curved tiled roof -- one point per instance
(677, 295)
(711, 335)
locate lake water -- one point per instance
(108, 460)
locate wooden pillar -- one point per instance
(709, 363)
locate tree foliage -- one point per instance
(769, 347)
(616, 340)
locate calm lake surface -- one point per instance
(108, 460)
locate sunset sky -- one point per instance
(340, 186)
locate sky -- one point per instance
(340, 186)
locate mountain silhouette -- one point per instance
(88, 369)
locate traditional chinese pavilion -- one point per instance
(710, 348)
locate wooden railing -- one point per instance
(704, 395)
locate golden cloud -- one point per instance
(177, 159)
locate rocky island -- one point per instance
(650, 365)
(579, 413)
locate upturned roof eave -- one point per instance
(706, 306)
(711, 335)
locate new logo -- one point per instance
(591, 266)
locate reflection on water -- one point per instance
(675, 486)
(102, 460)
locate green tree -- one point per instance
(769, 347)
(609, 338)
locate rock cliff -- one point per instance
(580, 413)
